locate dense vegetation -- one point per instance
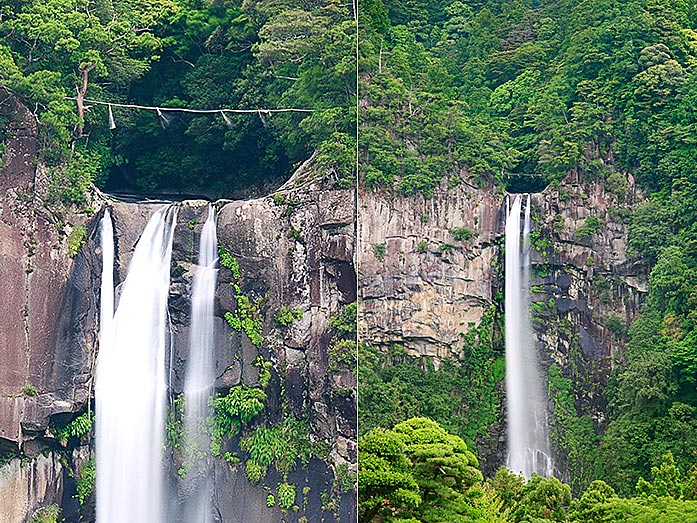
(463, 395)
(454, 91)
(418, 472)
(190, 54)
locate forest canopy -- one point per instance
(185, 54)
(482, 90)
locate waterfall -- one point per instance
(200, 375)
(106, 305)
(130, 389)
(528, 440)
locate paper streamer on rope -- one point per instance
(164, 120)
(228, 122)
(261, 117)
(112, 123)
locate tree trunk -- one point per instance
(81, 92)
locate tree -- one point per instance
(385, 481)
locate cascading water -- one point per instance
(528, 440)
(130, 389)
(106, 305)
(200, 374)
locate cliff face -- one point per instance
(421, 287)
(47, 311)
(294, 250)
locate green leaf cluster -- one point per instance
(233, 410)
(280, 446)
(77, 428)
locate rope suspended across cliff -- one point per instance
(165, 120)
(202, 111)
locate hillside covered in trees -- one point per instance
(474, 92)
(182, 54)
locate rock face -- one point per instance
(421, 287)
(25, 488)
(294, 250)
(586, 285)
(47, 305)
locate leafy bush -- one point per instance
(588, 229)
(379, 249)
(76, 239)
(85, 481)
(286, 496)
(226, 260)
(281, 446)
(30, 390)
(78, 427)
(286, 315)
(232, 411)
(247, 318)
(46, 515)
(345, 321)
(463, 234)
(342, 354)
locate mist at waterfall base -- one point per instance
(528, 439)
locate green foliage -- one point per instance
(422, 247)
(379, 249)
(227, 261)
(46, 515)
(247, 318)
(213, 55)
(345, 321)
(270, 501)
(281, 446)
(463, 234)
(264, 371)
(385, 480)
(462, 394)
(77, 428)
(30, 390)
(666, 480)
(70, 182)
(286, 496)
(76, 239)
(542, 499)
(418, 472)
(346, 479)
(445, 248)
(342, 354)
(174, 429)
(85, 481)
(588, 229)
(233, 410)
(287, 315)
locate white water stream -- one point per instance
(528, 439)
(200, 375)
(130, 388)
